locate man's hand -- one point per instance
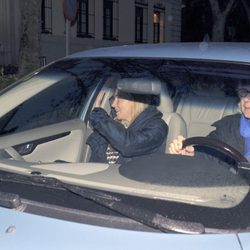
(176, 147)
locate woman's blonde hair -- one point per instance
(138, 106)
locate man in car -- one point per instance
(233, 129)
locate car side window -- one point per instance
(60, 102)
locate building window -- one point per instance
(46, 16)
(156, 22)
(110, 19)
(159, 24)
(141, 22)
(86, 18)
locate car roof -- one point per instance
(235, 52)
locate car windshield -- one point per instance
(45, 131)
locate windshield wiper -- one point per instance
(10, 200)
(142, 215)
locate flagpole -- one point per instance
(67, 37)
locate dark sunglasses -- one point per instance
(243, 93)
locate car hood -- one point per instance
(27, 231)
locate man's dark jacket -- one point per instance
(228, 131)
(147, 134)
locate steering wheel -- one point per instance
(215, 144)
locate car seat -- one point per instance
(201, 108)
(176, 124)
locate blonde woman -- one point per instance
(138, 129)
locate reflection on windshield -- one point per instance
(197, 94)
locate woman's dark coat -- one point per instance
(147, 134)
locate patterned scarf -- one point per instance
(112, 155)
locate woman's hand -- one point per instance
(176, 147)
(98, 115)
(99, 99)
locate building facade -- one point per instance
(99, 23)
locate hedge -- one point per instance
(6, 80)
(7, 75)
